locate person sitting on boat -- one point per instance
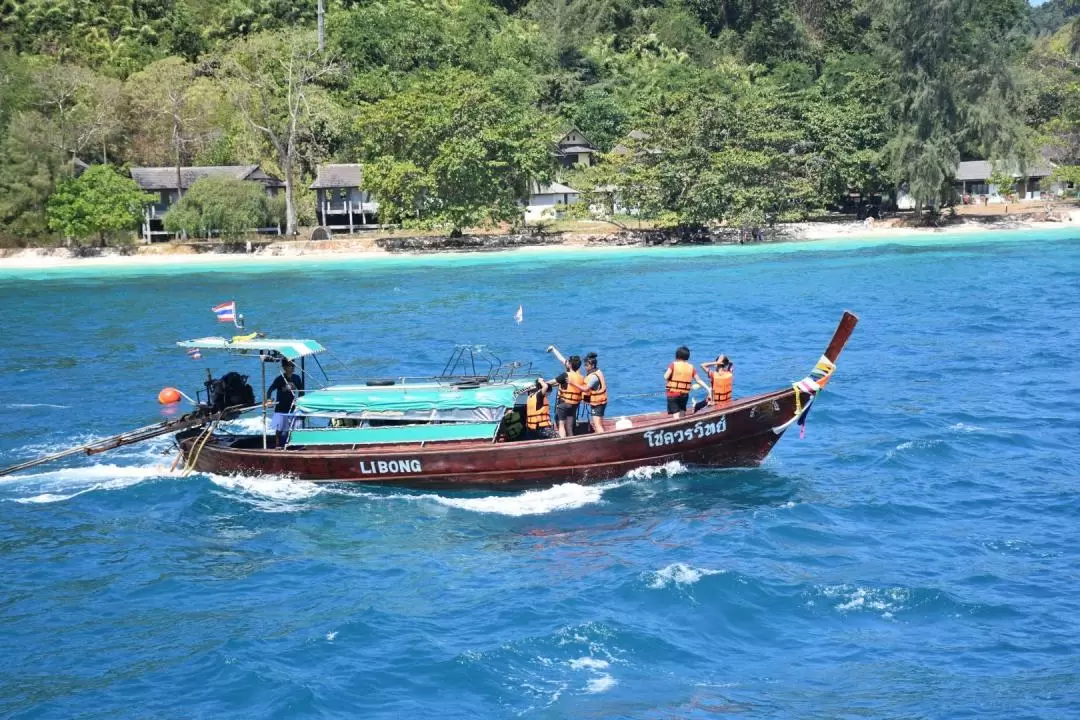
(679, 378)
(288, 386)
(571, 389)
(596, 392)
(538, 412)
(720, 379)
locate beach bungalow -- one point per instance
(548, 201)
(575, 150)
(163, 182)
(340, 204)
(973, 181)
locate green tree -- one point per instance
(30, 166)
(223, 205)
(174, 114)
(273, 80)
(951, 86)
(1005, 183)
(453, 150)
(743, 156)
(99, 202)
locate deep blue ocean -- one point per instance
(914, 556)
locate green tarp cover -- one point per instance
(291, 349)
(394, 434)
(407, 398)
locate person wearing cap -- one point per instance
(538, 411)
(288, 386)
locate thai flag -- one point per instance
(195, 354)
(226, 312)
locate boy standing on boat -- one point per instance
(571, 389)
(595, 392)
(679, 378)
(288, 386)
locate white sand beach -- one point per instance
(361, 247)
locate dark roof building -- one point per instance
(349, 175)
(164, 178)
(575, 149)
(340, 203)
(982, 169)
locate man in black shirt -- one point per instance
(288, 386)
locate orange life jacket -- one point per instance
(571, 395)
(681, 379)
(721, 385)
(537, 412)
(599, 395)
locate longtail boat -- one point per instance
(452, 430)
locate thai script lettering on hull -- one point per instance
(662, 438)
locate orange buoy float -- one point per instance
(168, 396)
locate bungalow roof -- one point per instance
(553, 188)
(164, 178)
(346, 175)
(982, 169)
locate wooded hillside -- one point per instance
(744, 111)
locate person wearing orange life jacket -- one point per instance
(679, 378)
(720, 379)
(538, 412)
(571, 389)
(596, 392)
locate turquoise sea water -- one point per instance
(914, 556)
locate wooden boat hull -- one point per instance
(740, 434)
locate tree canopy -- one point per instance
(98, 202)
(225, 205)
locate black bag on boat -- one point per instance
(230, 390)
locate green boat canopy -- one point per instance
(430, 401)
(400, 434)
(241, 345)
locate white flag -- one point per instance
(519, 315)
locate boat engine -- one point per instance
(230, 390)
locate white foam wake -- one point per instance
(677, 574)
(66, 483)
(568, 496)
(271, 493)
(668, 469)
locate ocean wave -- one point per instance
(600, 681)
(27, 406)
(677, 574)
(913, 445)
(964, 428)
(851, 598)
